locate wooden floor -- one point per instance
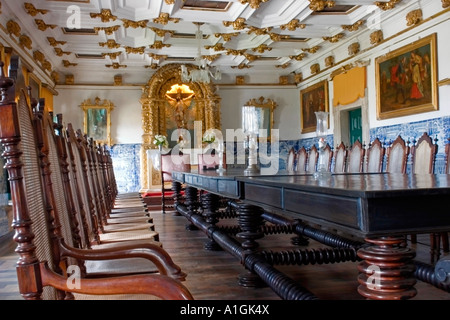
(212, 275)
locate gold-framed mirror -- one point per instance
(97, 120)
(264, 110)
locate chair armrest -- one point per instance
(149, 251)
(158, 285)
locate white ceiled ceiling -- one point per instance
(261, 44)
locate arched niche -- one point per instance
(154, 103)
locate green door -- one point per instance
(355, 124)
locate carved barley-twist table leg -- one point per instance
(250, 221)
(387, 269)
(176, 188)
(191, 202)
(210, 204)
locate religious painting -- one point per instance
(406, 80)
(97, 120)
(312, 99)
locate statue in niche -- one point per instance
(180, 102)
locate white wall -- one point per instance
(126, 120)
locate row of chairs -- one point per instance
(378, 158)
(77, 238)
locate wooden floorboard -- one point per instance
(213, 275)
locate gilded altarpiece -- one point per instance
(204, 108)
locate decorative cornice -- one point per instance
(414, 17)
(13, 28)
(354, 48)
(25, 42)
(315, 68)
(347, 67)
(259, 31)
(32, 11)
(105, 15)
(299, 57)
(284, 65)
(376, 37)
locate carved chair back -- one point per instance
(340, 158)
(423, 155)
(355, 157)
(290, 161)
(374, 156)
(301, 160)
(313, 157)
(397, 156)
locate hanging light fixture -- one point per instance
(204, 73)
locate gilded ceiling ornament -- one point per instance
(445, 3)
(134, 24)
(110, 43)
(235, 52)
(161, 32)
(238, 24)
(112, 55)
(329, 61)
(334, 38)
(311, 50)
(25, 42)
(55, 76)
(315, 68)
(353, 27)
(217, 47)
(60, 52)
(53, 42)
(319, 5)
(43, 26)
(107, 30)
(46, 65)
(38, 56)
(347, 67)
(293, 25)
(278, 37)
(298, 57)
(376, 37)
(67, 64)
(13, 28)
(226, 36)
(152, 66)
(254, 4)
(115, 65)
(164, 18)
(259, 31)
(159, 45)
(212, 57)
(32, 11)
(353, 49)
(298, 77)
(241, 66)
(157, 56)
(251, 57)
(262, 48)
(105, 15)
(387, 5)
(139, 50)
(284, 65)
(414, 17)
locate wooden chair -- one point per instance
(313, 157)
(423, 156)
(375, 156)
(290, 161)
(355, 158)
(327, 157)
(340, 158)
(170, 162)
(397, 156)
(301, 160)
(42, 269)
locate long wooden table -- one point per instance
(382, 208)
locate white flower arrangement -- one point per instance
(160, 140)
(209, 137)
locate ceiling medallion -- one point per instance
(254, 4)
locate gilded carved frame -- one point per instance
(97, 120)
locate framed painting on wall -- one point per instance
(406, 80)
(312, 99)
(97, 120)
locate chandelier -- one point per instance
(204, 73)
